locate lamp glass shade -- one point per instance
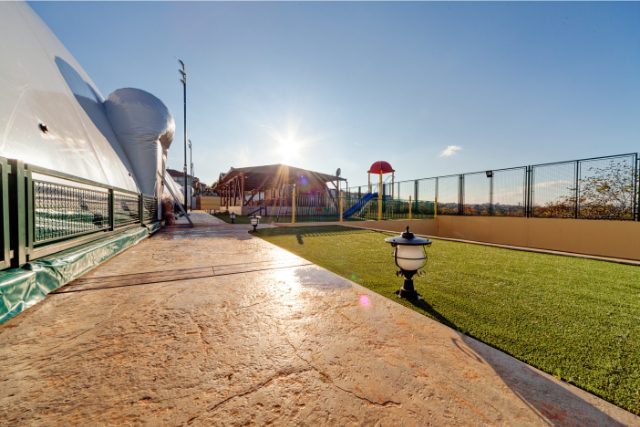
(254, 221)
(410, 257)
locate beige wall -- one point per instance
(208, 202)
(617, 239)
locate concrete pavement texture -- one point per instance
(211, 326)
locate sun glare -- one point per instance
(288, 148)
(289, 144)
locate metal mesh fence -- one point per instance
(598, 188)
(355, 192)
(607, 188)
(425, 205)
(64, 211)
(509, 192)
(406, 190)
(316, 207)
(477, 194)
(125, 209)
(554, 190)
(448, 195)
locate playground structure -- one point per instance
(278, 191)
(282, 192)
(380, 168)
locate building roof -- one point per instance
(273, 176)
(179, 174)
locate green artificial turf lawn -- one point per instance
(575, 318)
(240, 219)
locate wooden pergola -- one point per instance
(271, 185)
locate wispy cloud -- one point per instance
(450, 151)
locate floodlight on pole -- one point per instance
(183, 80)
(192, 175)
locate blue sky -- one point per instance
(328, 85)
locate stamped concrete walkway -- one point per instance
(210, 326)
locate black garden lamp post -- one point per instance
(232, 216)
(255, 220)
(410, 256)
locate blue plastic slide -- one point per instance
(359, 204)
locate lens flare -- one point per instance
(364, 300)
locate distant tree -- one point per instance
(608, 192)
(605, 192)
(564, 207)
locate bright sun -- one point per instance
(288, 144)
(288, 148)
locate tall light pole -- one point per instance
(183, 79)
(192, 175)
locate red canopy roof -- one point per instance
(381, 167)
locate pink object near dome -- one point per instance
(381, 167)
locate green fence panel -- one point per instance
(20, 288)
(64, 211)
(5, 240)
(125, 208)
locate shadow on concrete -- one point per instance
(424, 305)
(316, 278)
(553, 403)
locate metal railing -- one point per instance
(595, 188)
(43, 211)
(149, 208)
(126, 208)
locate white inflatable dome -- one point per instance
(51, 113)
(145, 127)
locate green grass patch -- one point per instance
(240, 219)
(577, 319)
(243, 219)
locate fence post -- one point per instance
(636, 183)
(341, 203)
(293, 204)
(4, 214)
(410, 216)
(461, 195)
(435, 202)
(141, 208)
(415, 193)
(112, 219)
(577, 203)
(17, 214)
(528, 195)
(28, 179)
(491, 208)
